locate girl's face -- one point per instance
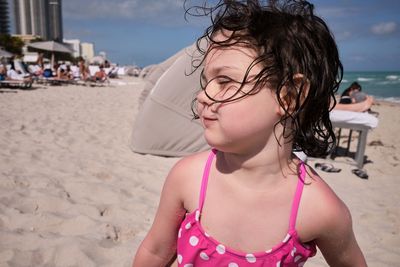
(243, 124)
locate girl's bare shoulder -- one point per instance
(321, 209)
(189, 165)
(186, 175)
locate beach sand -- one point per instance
(72, 193)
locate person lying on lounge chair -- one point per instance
(15, 75)
(14, 79)
(357, 107)
(354, 95)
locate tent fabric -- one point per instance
(152, 73)
(164, 125)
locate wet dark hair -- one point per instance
(353, 86)
(290, 39)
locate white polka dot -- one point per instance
(220, 249)
(188, 225)
(298, 257)
(204, 256)
(301, 264)
(268, 251)
(197, 215)
(207, 235)
(286, 238)
(193, 240)
(179, 257)
(232, 264)
(278, 264)
(293, 251)
(188, 265)
(251, 258)
(180, 233)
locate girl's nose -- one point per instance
(203, 99)
(204, 102)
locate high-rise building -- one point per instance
(75, 44)
(55, 20)
(4, 17)
(42, 18)
(87, 50)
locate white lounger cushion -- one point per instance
(352, 117)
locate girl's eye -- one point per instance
(203, 81)
(223, 81)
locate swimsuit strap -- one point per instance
(296, 199)
(297, 196)
(204, 180)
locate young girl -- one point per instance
(269, 78)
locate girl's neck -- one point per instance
(265, 164)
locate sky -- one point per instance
(144, 32)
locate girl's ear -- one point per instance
(302, 84)
(293, 95)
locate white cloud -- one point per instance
(384, 28)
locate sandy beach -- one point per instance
(72, 193)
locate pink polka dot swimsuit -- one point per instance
(196, 248)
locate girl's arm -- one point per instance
(338, 243)
(357, 107)
(159, 246)
(326, 220)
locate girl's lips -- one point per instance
(208, 120)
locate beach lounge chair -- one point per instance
(22, 84)
(360, 122)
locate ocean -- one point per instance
(381, 85)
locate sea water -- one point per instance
(381, 85)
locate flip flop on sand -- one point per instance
(326, 167)
(360, 173)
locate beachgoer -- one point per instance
(357, 107)
(268, 82)
(17, 75)
(100, 75)
(353, 99)
(83, 69)
(40, 60)
(353, 94)
(3, 72)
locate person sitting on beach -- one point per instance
(60, 71)
(69, 75)
(3, 72)
(64, 72)
(100, 75)
(268, 78)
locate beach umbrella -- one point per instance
(4, 53)
(53, 47)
